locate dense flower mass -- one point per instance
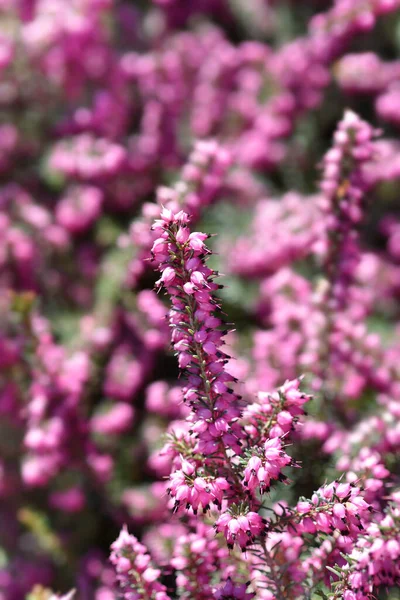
(199, 300)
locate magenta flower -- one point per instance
(137, 578)
(191, 490)
(267, 466)
(240, 526)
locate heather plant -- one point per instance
(199, 300)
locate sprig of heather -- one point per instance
(198, 334)
(343, 187)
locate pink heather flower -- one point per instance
(260, 470)
(279, 411)
(372, 561)
(240, 527)
(198, 547)
(292, 395)
(191, 490)
(134, 570)
(337, 506)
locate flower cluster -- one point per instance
(193, 491)
(261, 469)
(240, 526)
(277, 413)
(136, 576)
(373, 563)
(335, 506)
